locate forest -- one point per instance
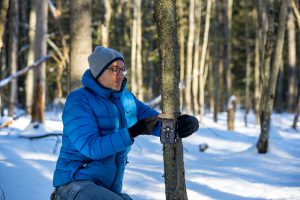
(221, 48)
(216, 58)
(229, 49)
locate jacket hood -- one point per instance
(91, 84)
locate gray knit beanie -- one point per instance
(101, 58)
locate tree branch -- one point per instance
(24, 70)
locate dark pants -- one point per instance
(87, 190)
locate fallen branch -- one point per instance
(24, 70)
(32, 137)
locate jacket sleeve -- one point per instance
(80, 126)
(144, 111)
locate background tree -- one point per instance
(40, 50)
(13, 53)
(165, 16)
(277, 18)
(189, 60)
(81, 40)
(292, 61)
(3, 13)
(30, 59)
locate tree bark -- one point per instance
(106, 24)
(3, 17)
(216, 56)
(292, 61)
(134, 87)
(196, 69)
(202, 77)
(248, 66)
(139, 67)
(13, 53)
(165, 16)
(81, 40)
(40, 50)
(257, 85)
(189, 61)
(30, 59)
(182, 27)
(296, 118)
(280, 11)
(227, 49)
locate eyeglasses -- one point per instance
(117, 70)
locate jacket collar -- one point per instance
(91, 84)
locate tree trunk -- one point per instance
(257, 86)
(81, 40)
(189, 61)
(13, 53)
(30, 59)
(165, 15)
(134, 87)
(139, 64)
(280, 12)
(196, 69)
(3, 16)
(231, 112)
(106, 24)
(202, 77)
(40, 50)
(297, 113)
(216, 56)
(292, 61)
(278, 101)
(227, 50)
(248, 66)
(182, 51)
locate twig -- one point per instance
(296, 12)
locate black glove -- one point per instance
(186, 125)
(143, 127)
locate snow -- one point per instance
(229, 169)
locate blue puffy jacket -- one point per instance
(95, 140)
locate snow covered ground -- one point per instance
(229, 169)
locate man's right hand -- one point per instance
(143, 127)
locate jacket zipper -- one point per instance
(122, 123)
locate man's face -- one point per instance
(113, 76)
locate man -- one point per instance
(100, 122)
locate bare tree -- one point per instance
(227, 49)
(292, 61)
(216, 57)
(248, 65)
(257, 86)
(277, 18)
(30, 59)
(189, 60)
(165, 15)
(105, 25)
(182, 32)
(13, 53)
(81, 40)
(296, 118)
(3, 15)
(140, 93)
(40, 50)
(196, 68)
(203, 66)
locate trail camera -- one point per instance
(168, 131)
